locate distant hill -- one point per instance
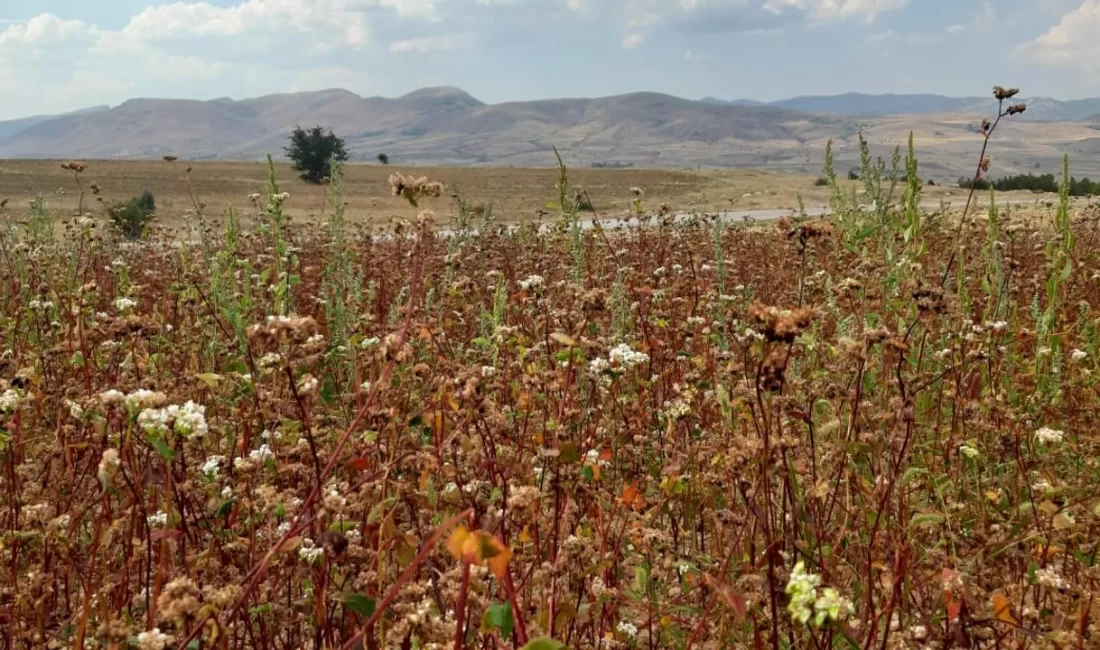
(1038, 108)
(448, 126)
(9, 128)
(440, 125)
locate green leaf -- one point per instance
(570, 453)
(499, 615)
(343, 526)
(925, 520)
(329, 389)
(224, 508)
(162, 448)
(543, 643)
(358, 604)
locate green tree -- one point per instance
(384, 159)
(314, 151)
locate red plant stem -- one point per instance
(517, 614)
(460, 607)
(406, 575)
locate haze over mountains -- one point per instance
(446, 125)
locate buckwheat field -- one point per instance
(876, 430)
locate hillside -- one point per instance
(448, 126)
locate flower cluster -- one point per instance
(1048, 436)
(812, 604)
(532, 282)
(186, 420)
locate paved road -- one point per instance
(733, 216)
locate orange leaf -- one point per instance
(498, 564)
(457, 541)
(953, 610)
(525, 535)
(360, 464)
(1001, 607)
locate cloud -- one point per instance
(631, 41)
(42, 30)
(757, 15)
(430, 44)
(823, 10)
(1072, 42)
(955, 29)
(690, 55)
(908, 38)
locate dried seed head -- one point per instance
(1002, 93)
(1016, 108)
(985, 164)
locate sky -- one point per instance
(62, 55)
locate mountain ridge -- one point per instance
(446, 125)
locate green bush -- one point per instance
(821, 182)
(132, 217)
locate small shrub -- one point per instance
(823, 182)
(853, 174)
(384, 159)
(132, 217)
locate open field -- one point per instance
(515, 194)
(874, 432)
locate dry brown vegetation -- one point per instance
(808, 435)
(515, 194)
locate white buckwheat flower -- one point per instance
(1048, 436)
(532, 282)
(125, 304)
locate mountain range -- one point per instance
(446, 125)
(1038, 108)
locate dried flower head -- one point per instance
(1016, 109)
(1002, 93)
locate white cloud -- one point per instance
(430, 44)
(631, 41)
(690, 55)
(577, 6)
(955, 29)
(1072, 42)
(865, 10)
(909, 38)
(342, 21)
(757, 15)
(44, 29)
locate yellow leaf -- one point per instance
(209, 378)
(291, 544)
(525, 536)
(1061, 522)
(457, 540)
(1001, 607)
(564, 339)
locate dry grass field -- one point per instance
(515, 194)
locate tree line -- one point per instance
(1033, 183)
